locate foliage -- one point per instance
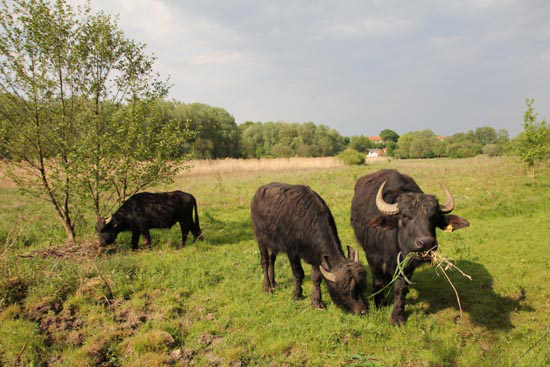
(492, 150)
(283, 139)
(388, 135)
(79, 121)
(533, 144)
(351, 156)
(361, 143)
(216, 135)
(416, 144)
(464, 149)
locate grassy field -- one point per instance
(203, 304)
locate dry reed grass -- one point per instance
(232, 165)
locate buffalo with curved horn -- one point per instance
(294, 219)
(392, 217)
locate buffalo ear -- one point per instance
(100, 224)
(452, 223)
(383, 222)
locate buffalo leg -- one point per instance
(378, 283)
(316, 277)
(135, 240)
(184, 232)
(298, 273)
(400, 291)
(271, 269)
(264, 259)
(147, 238)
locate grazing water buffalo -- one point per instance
(146, 210)
(294, 219)
(390, 215)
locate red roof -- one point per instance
(375, 138)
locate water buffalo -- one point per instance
(294, 219)
(146, 210)
(390, 215)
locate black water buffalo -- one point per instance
(147, 210)
(390, 214)
(294, 219)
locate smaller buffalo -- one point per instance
(147, 210)
(294, 219)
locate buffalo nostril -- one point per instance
(419, 244)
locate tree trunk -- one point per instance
(69, 231)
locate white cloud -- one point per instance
(371, 26)
(455, 49)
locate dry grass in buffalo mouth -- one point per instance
(439, 262)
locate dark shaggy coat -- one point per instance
(294, 219)
(146, 210)
(383, 237)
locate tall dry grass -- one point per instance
(232, 165)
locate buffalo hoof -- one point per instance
(268, 288)
(318, 305)
(398, 319)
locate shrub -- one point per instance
(492, 150)
(352, 157)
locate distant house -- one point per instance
(441, 138)
(373, 153)
(376, 139)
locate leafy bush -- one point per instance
(492, 150)
(352, 157)
(463, 150)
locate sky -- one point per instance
(356, 66)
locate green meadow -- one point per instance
(203, 304)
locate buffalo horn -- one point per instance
(108, 220)
(356, 256)
(449, 203)
(327, 274)
(385, 208)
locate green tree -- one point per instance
(216, 135)
(485, 135)
(533, 144)
(360, 143)
(463, 149)
(389, 135)
(80, 106)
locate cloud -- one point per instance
(366, 27)
(355, 65)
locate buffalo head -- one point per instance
(107, 230)
(415, 216)
(346, 282)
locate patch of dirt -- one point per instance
(63, 328)
(38, 310)
(129, 319)
(184, 356)
(97, 290)
(70, 251)
(206, 339)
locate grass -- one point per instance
(203, 304)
